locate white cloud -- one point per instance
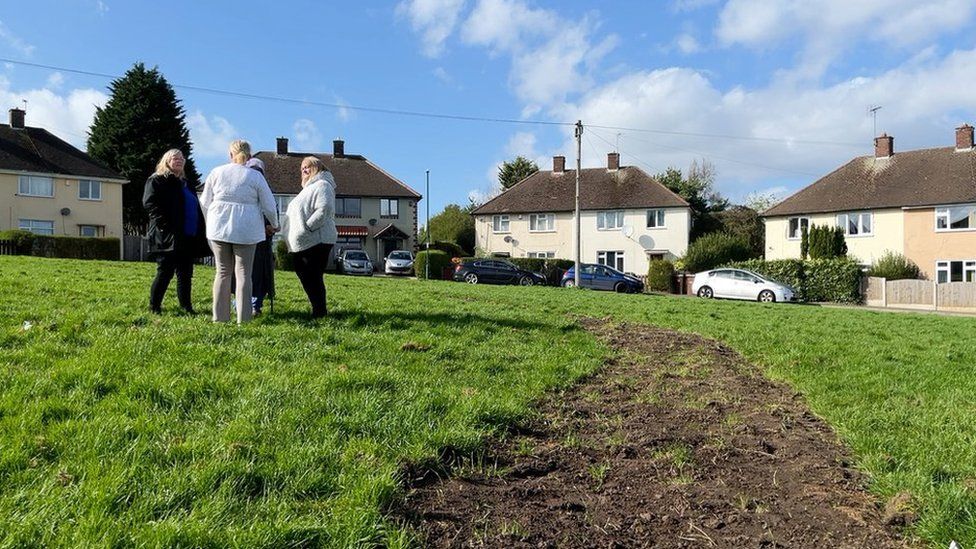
(211, 136)
(521, 144)
(687, 44)
(68, 115)
(343, 113)
(441, 74)
(307, 135)
(55, 80)
(15, 41)
(435, 20)
(102, 7)
(691, 5)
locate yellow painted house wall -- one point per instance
(106, 212)
(924, 245)
(888, 234)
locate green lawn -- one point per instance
(120, 428)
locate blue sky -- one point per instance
(773, 92)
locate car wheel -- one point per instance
(526, 281)
(767, 296)
(471, 278)
(569, 283)
(705, 292)
(620, 287)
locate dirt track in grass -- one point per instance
(677, 442)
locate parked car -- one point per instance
(740, 284)
(353, 261)
(601, 277)
(495, 271)
(398, 262)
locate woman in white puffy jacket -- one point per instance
(236, 200)
(310, 230)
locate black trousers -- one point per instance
(168, 264)
(310, 267)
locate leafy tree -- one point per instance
(510, 173)
(142, 120)
(745, 223)
(826, 242)
(454, 224)
(698, 190)
(713, 250)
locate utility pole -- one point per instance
(579, 151)
(427, 227)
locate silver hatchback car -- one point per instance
(740, 284)
(354, 262)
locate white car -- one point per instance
(740, 284)
(399, 262)
(354, 262)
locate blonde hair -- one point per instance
(315, 163)
(162, 167)
(240, 151)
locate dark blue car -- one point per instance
(601, 277)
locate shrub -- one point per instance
(534, 264)
(713, 250)
(826, 242)
(836, 280)
(894, 266)
(71, 247)
(787, 271)
(449, 248)
(438, 261)
(282, 257)
(659, 274)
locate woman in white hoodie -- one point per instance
(236, 200)
(310, 230)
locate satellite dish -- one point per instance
(628, 230)
(646, 242)
(65, 211)
(508, 238)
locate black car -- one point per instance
(495, 271)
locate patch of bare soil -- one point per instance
(678, 442)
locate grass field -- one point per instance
(120, 428)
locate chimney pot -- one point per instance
(17, 118)
(613, 161)
(282, 145)
(964, 138)
(338, 148)
(884, 146)
(558, 164)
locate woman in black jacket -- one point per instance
(177, 235)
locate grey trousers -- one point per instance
(238, 259)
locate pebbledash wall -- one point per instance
(668, 242)
(104, 213)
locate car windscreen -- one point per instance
(400, 255)
(358, 256)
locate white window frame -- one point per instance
(655, 219)
(36, 226)
(281, 204)
(547, 222)
(844, 222)
(94, 189)
(943, 270)
(799, 227)
(618, 258)
(609, 220)
(942, 213)
(26, 185)
(391, 206)
(97, 230)
(501, 224)
(542, 255)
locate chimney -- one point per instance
(282, 145)
(884, 146)
(613, 161)
(558, 164)
(17, 119)
(338, 148)
(964, 138)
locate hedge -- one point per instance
(714, 249)
(283, 260)
(71, 247)
(449, 248)
(438, 261)
(659, 274)
(836, 280)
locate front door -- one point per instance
(390, 245)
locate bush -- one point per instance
(835, 280)
(715, 249)
(826, 242)
(534, 264)
(449, 248)
(283, 260)
(659, 275)
(71, 247)
(787, 271)
(894, 266)
(438, 261)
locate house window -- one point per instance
(539, 223)
(655, 219)
(955, 271)
(611, 259)
(349, 207)
(542, 255)
(348, 243)
(609, 220)
(389, 207)
(89, 190)
(91, 230)
(856, 224)
(499, 223)
(32, 185)
(955, 218)
(797, 224)
(281, 203)
(36, 226)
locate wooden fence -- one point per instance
(920, 294)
